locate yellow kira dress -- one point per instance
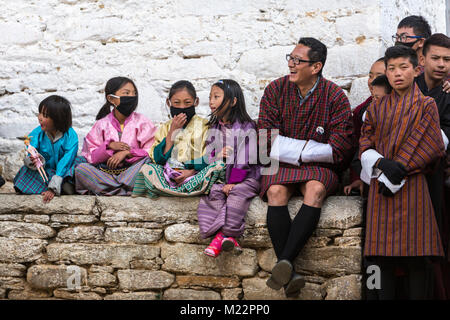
(189, 144)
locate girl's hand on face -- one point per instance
(183, 176)
(117, 159)
(48, 196)
(118, 146)
(178, 122)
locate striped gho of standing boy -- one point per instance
(400, 140)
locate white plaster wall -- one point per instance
(72, 47)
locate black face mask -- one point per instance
(190, 112)
(127, 105)
(406, 44)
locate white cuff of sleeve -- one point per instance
(368, 160)
(317, 152)
(55, 184)
(287, 150)
(393, 187)
(445, 138)
(29, 163)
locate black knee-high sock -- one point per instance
(278, 224)
(303, 225)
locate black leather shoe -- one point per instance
(282, 272)
(295, 285)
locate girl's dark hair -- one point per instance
(112, 86)
(182, 85)
(231, 90)
(382, 81)
(58, 109)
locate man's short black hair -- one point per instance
(401, 52)
(57, 108)
(382, 81)
(317, 50)
(420, 26)
(437, 39)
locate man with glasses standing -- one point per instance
(314, 141)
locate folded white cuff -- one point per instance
(445, 138)
(287, 150)
(393, 187)
(317, 152)
(368, 160)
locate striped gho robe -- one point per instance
(325, 116)
(404, 129)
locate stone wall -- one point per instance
(137, 248)
(72, 47)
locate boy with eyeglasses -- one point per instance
(412, 32)
(400, 140)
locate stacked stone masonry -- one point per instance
(136, 248)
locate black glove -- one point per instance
(393, 170)
(385, 191)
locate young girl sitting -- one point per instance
(178, 151)
(233, 134)
(117, 145)
(57, 145)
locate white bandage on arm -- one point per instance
(368, 160)
(287, 150)
(317, 152)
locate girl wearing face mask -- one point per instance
(117, 145)
(179, 169)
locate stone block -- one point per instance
(188, 258)
(21, 250)
(343, 288)
(13, 204)
(134, 296)
(207, 282)
(256, 289)
(115, 255)
(25, 230)
(143, 279)
(132, 235)
(51, 276)
(70, 295)
(102, 279)
(185, 232)
(189, 294)
(73, 218)
(81, 234)
(330, 261)
(12, 270)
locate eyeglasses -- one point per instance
(403, 37)
(297, 61)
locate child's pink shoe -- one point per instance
(215, 247)
(230, 243)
